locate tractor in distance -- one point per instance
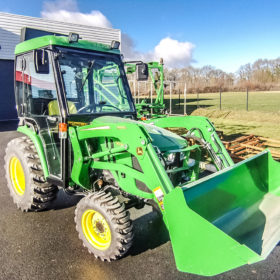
(156, 108)
(80, 132)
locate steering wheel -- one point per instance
(102, 104)
(85, 107)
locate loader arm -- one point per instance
(128, 142)
(159, 87)
(203, 129)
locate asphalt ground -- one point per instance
(45, 245)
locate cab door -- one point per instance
(36, 97)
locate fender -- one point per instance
(38, 145)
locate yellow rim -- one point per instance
(17, 175)
(96, 229)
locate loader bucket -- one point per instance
(226, 220)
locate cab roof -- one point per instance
(62, 41)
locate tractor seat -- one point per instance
(54, 110)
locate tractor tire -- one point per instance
(104, 226)
(25, 177)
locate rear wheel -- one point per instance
(104, 226)
(25, 176)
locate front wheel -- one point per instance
(104, 226)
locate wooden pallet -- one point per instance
(246, 146)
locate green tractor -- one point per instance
(156, 108)
(80, 132)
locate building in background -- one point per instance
(10, 29)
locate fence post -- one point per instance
(220, 99)
(170, 102)
(134, 89)
(179, 99)
(138, 92)
(185, 99)
(151, 91)
(247, 99)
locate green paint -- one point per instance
(226, 220)
(120, 131)
(152, 109)
(80, 169)
(62, 41)
(38, 145)
(206, 128)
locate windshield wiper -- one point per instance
(89, 71)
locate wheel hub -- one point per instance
(17, 175)
(96, 229)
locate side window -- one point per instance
(109, 87)
(70, 78)
(39, 90)
(19, 77)
(106, 85)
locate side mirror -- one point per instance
(41, 61)
(142, 73)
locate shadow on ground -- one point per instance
(64, 200)
(147, 226)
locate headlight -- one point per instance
(182, 156)
(171, 158)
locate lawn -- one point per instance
(263, 101)
(238, 123)
(267, 101)
(262, 118)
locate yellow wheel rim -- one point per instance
(96, 229)
(17, 175)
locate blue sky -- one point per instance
(226, 34)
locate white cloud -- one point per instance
(175, 54)
(67, 11)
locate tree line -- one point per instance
(263, 74)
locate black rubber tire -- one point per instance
(38, 193)
(117, 218)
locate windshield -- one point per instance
(94, 83)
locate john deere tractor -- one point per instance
(80, 132)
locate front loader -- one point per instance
(80, 132)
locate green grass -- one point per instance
(263, 101)
(238, 123)
(262, 118)
(268, 101)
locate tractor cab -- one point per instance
(71, 82)
(94, 84)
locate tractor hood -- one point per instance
(162, 138)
